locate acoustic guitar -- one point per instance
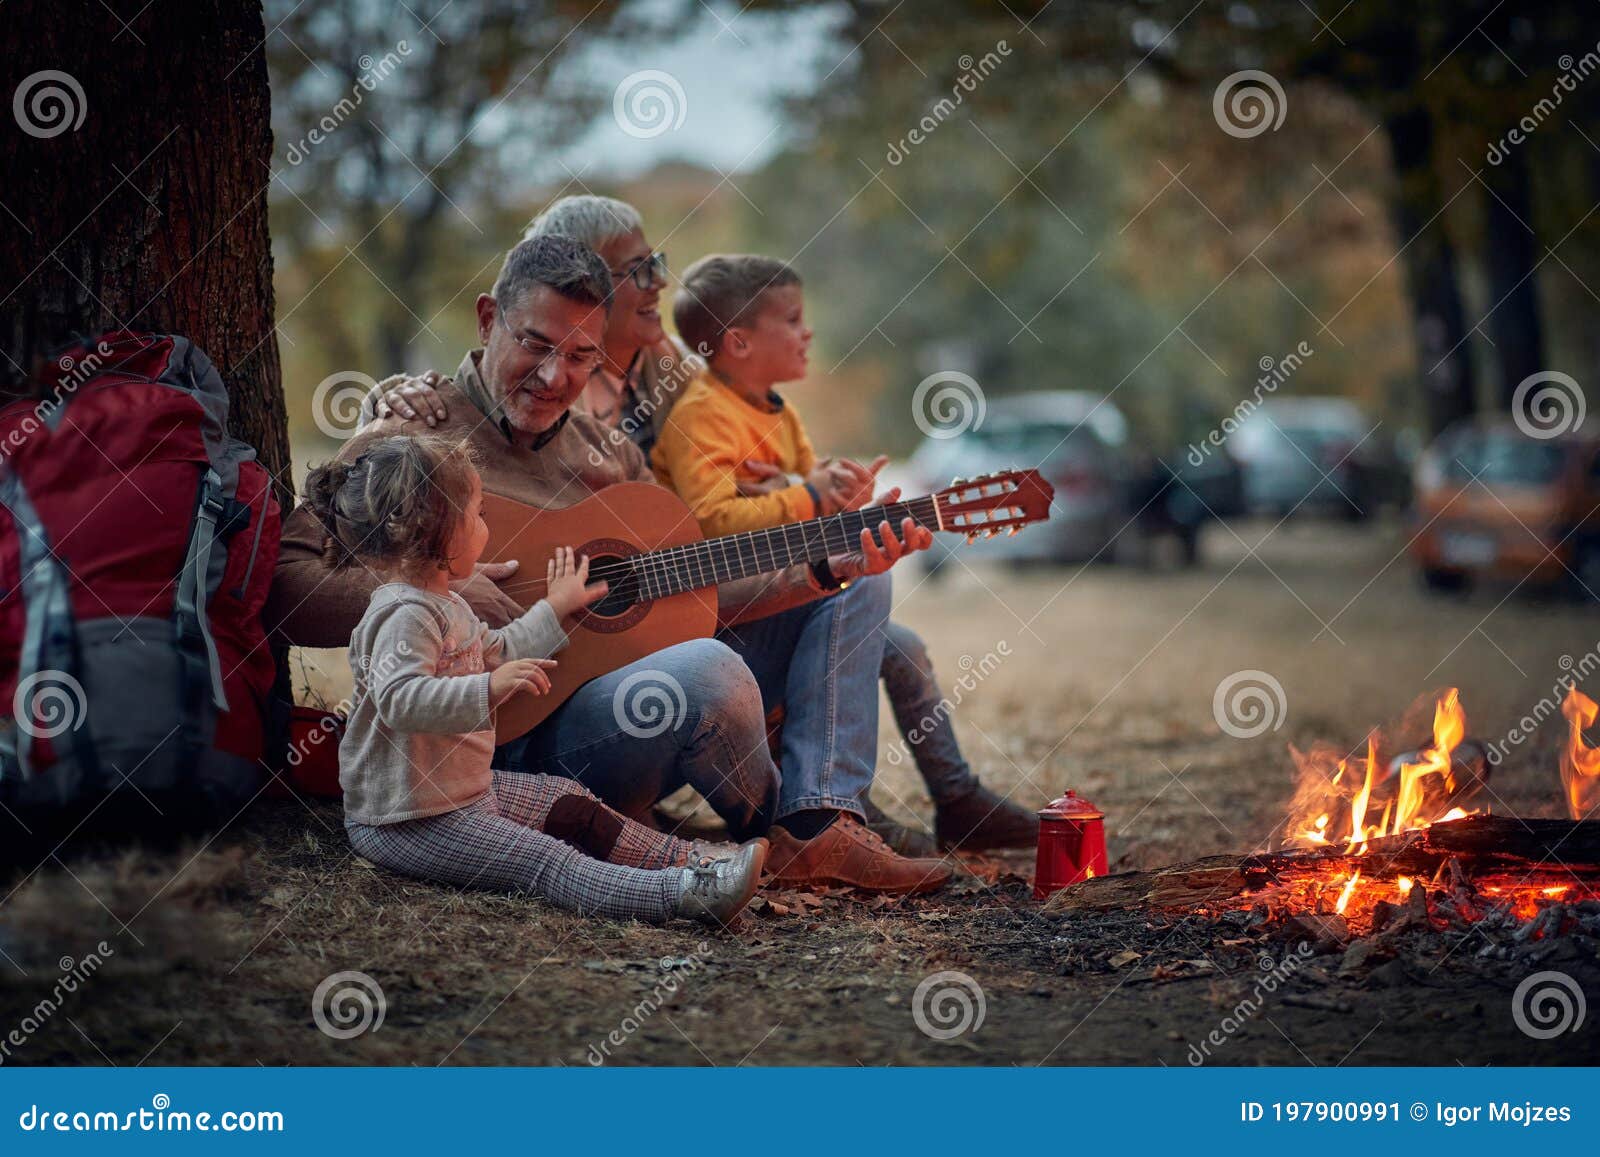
(663, 573)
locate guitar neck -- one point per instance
(711, 561)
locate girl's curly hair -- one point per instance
(397, 503)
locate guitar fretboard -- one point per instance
(675, 569)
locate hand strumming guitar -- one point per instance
(567, 587)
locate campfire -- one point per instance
(1383, 839)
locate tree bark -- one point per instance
(136, 196)
(1511, 256)
(1444, 353)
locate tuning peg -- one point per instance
(972, 537)
(1010, 533)
(958, 482)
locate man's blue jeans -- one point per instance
(689, 714)
(696, 714)
(821, 661)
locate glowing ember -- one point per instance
(1580, 763)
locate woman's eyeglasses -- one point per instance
(646, 271)
(543, 351)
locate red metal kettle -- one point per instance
(1072, 844)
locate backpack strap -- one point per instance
(195, 643)
(49, 638)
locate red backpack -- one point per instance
(137, 544)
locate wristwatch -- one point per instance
(825, 577)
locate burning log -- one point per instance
(1463, 861)
(1481, 843)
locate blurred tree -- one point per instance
(135, 169)
(1442, 78)
(971, 204)
(400, 131)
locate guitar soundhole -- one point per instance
(621, 608)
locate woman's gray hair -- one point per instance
(593, 220)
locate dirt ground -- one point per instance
(1104, 682)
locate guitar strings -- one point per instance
(657, 569)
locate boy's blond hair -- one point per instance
(721, 291)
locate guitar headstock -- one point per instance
(1006, 500)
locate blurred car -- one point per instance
(1493, 502)
(1319, 455)
(1111, 499)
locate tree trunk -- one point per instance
(136, 174)
(1444, 353)
(1511, 252)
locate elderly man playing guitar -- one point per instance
(808, 633)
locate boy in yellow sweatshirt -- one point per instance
(738, 454)
(730, 431)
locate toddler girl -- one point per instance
(419, 795)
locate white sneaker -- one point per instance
(714, 890)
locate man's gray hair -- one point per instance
(567, 266)
(593, 220)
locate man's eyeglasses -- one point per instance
(543, 351)
(646, 271)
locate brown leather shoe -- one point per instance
(985, 820)
(849, 854)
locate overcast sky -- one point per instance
(731, 70)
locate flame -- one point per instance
(1580, 763)
(1403, 885)
(1449, 727)
(1349, 889)
(1358, 806)
(1405, 810)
